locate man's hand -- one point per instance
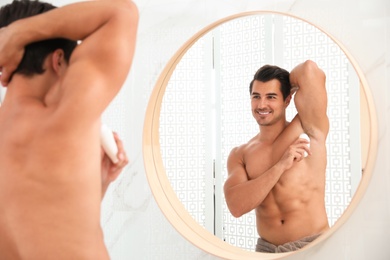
(111, 171)
(11, 54)
(295, 153)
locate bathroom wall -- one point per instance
(137, 227)
(133, 224)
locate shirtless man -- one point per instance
(52, 170)
(270, 173)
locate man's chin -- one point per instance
(264, 123)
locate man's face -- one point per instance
(268, 106)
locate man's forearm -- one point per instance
(295, 75)
(75, 21)
(244, 197)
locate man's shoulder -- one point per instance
(246, 145)
(237, 151)
(244, 148)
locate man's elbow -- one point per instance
(234, 201)
(311, 69)
(133, 9)
(236, 210)
(129, 10)
(237, 214)
(129, 3)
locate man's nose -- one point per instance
(262, 103)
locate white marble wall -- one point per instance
(133, 224)
(362, 26)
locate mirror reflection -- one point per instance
(206, 112)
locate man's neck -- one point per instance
(269, 133)
(37, 88)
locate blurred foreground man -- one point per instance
(53, 172)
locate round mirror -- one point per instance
(200, 109)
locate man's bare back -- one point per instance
(271, 174)
(51, 193)
(53, 171)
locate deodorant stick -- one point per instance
(108, 143)
(305, 136)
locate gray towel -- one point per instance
(266, 247)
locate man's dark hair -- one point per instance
(270, 72)
(35, 53)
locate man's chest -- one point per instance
(261, 160)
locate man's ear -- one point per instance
(288, 99)
(58, 61)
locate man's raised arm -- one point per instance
(99, 65)
(308, 82)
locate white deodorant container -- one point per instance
(305, 136)
(3, 90)
(108, 143)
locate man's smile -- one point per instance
(263, 113)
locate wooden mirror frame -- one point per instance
(165, 196)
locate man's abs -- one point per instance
(279, 225)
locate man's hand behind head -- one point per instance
(11, 53)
